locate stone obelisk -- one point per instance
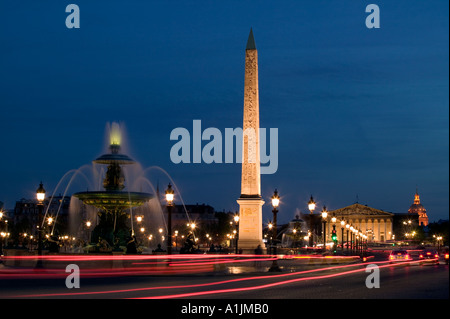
(250, 201)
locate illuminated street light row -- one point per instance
(351, 230)
(40, 195)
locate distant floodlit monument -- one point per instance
(250, 201)
(114, 201)
(417, 209)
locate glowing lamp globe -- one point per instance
(169, 194)
(311, 204)
(324, 212)
(40, 193)
(275, 199)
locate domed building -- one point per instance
(418, 209)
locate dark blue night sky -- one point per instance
(360, 112)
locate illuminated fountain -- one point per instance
(113, 202)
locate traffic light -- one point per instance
(334, 235)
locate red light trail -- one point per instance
(221, 291)
(229, 290)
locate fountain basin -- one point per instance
(113, 201)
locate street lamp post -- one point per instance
(351, 238)
(270, 226)
(236, 222)
(359, 237)
(88, 226)
(3, 234)
(275, 203)
(193, 226)
(169, 199)
(6, 232)
(176, 240)
(324, 219)
(439, 238)
(362, 244)
(357, 241)
(342, 234)
(311, 207)
(347, 226)
(40, 196)
(294, 244)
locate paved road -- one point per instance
(402, 282)
(396, 282)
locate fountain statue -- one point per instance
(114, 202)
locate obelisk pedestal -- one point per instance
(250, 201)
(250, 224)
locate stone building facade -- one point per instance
(375, 223)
